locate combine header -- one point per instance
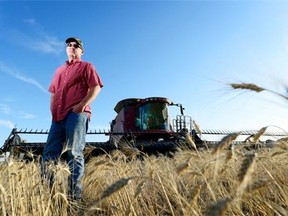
(144, 124)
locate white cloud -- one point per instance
(23, 78)
(47, 45)
(5, 109)
(30, 21)
(35, 38)
(29, 81)
(7, 124)
(42, 41)
(24, 115)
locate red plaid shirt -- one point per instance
(70, 85)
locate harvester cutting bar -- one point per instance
(22, 131)
(205, 131)
(245, 132)
(26, 131)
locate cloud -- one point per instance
(7, 124)
(42, 41)
(5, 109)
(48, 45)
(23, 78)
(35, 38)
(24, 115)
(30, 21)
(30, 81)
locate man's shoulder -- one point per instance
(86, 63)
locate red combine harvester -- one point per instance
(147, 125)
(144, 124)
(140, 123)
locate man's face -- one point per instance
(74, 50)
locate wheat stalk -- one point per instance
(115, 187)
(247, 166)
(225, 142)
(3, 198)
(61, 196)
(279, 153)
(245, 173)
(219, 208)
(257, 185)
(259, 134)
(181, 167)
(277, 209)
(139, 189)
(190, 141)
(254, 87)
(195, 195)
(229, 155)
(197, 128)
(130, 151)
(248, 86)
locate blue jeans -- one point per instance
(68, 134)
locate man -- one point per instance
(74, 87)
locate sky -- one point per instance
(187, 51)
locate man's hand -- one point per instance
(91, 95)
(78, 108)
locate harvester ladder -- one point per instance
(182, 122)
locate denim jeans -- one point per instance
(68, 134)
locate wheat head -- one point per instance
(248, 86)
(225, 142)
(219, 208)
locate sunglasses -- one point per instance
(73, 45)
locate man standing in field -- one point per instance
(74, 87)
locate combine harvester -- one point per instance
(142, 124)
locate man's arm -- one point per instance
(51, 101)
(90, 97)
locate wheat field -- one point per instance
(225, 180)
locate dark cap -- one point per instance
(75, 39)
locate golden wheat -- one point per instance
(197, 128)
(190, 142)
(254, 87)
(247, 166)
(248, 86)
(181, 167)
(257, 185)
(115, 187)
(227, 140)
(183, 185)
(195, 195)
(219, 208)
(279, 153)
(259, 134)
(244, 174)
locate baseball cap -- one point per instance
(75, 39)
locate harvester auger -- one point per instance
(142, 124)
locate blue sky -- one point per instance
(187, 51)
